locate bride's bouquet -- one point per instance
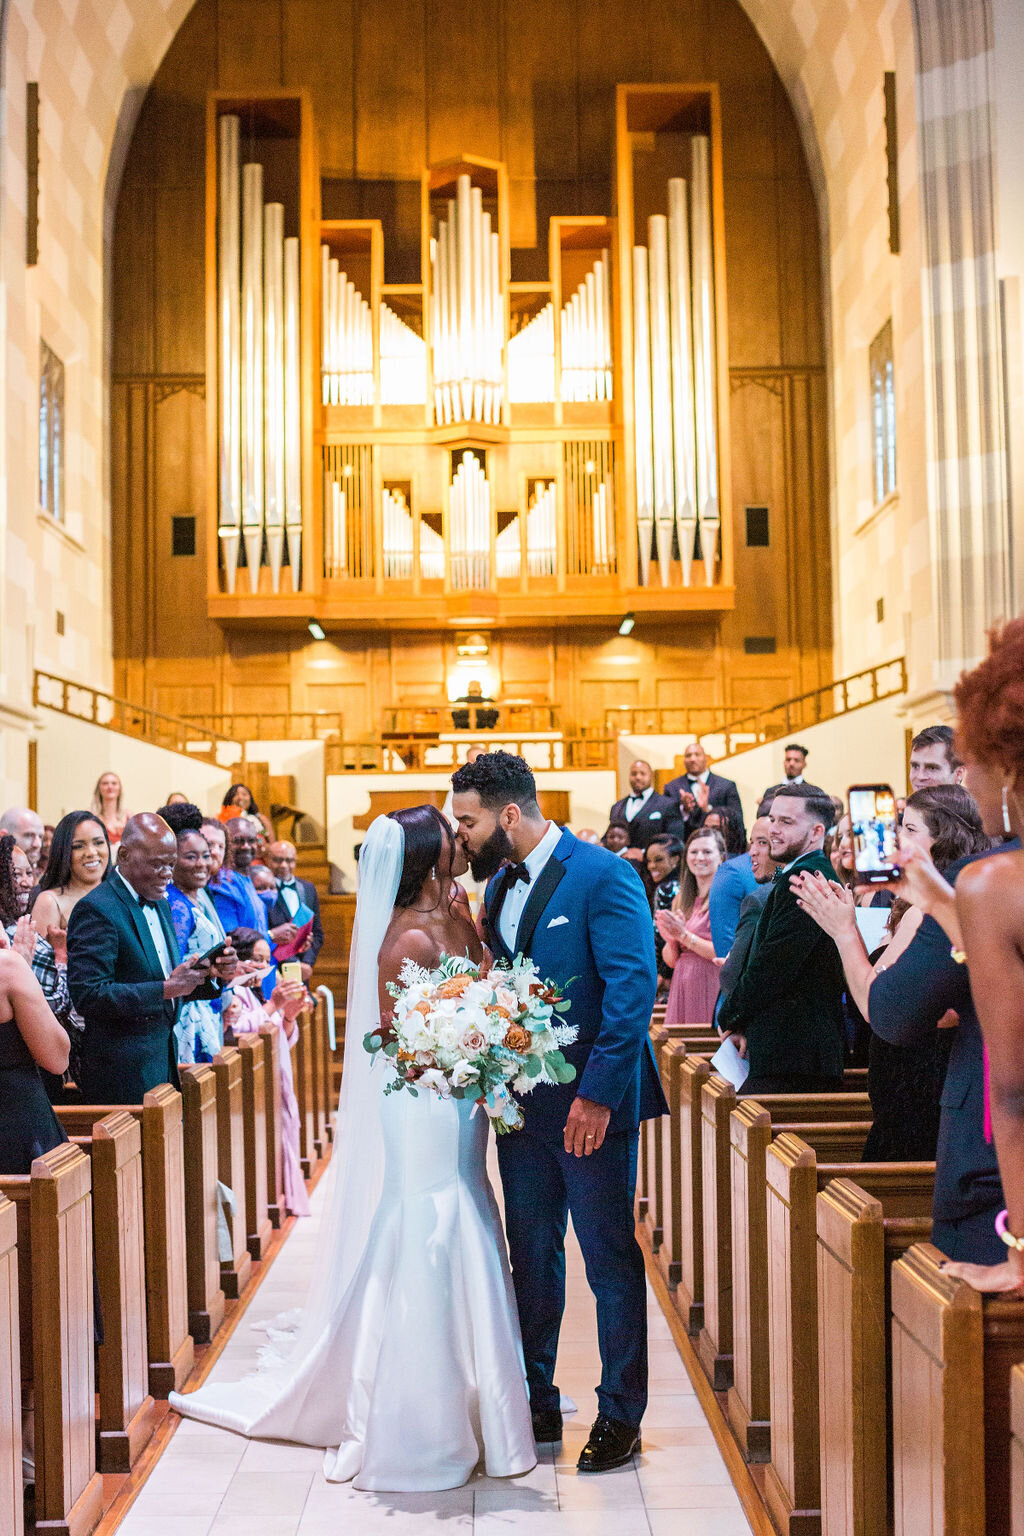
(465, 1034)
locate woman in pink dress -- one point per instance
(686, 929)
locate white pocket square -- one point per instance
(556, 922)
(654, 816)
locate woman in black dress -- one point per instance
(30, 1039)
(904, 1082)
(664, 860)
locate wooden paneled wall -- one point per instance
(395, 84)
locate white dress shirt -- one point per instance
(636, 803)
(289, 894)
(516, 898)
(156, 931)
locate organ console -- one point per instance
(469, 444)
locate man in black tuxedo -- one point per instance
(124, 973)
(785, 1011)
(645, 813)
(698, 789)
(794, 765)
(281, 859)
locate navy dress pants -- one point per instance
(543, 1185)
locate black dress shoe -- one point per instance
(547, 1426)
(611, 1444)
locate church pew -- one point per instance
(653, 1133)
(55, 1270)
(856, 1248)
(252, 1054)
(12, 1503)
(125, 1421)
(205, 1293)
(236, 1260)
(800, 1162)
(273, 1045)
(170, 1345)
(1017, 1451)
(750, 1131)
(302, 1072)
(953, 1353)
(714, 1342)
(694, 1072)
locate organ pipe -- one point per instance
(683, 423)
(346, 343)
(642, 411)
(396, 528)
(467, 320)
(531, 360)
(252, 369)
(661, 393)
(273, 384)
(229, 345)
(469, 535)
(586, 335)
(403, 361)
(337, 551)
(704, 353)
(542, 531)
(431, 553)
(293, 409)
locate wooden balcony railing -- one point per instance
(284, 725)
(750, 730)
(424, 753)
(525, 717)
(98, 708)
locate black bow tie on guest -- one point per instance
(515, 873)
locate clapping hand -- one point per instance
(58, 941)
(667, 924)
(831, 906)
(701, 794)
(24, 942)
(687, 802)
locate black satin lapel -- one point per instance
(167, 924)
(497, 943)
(541, 893)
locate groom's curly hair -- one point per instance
(499, 778)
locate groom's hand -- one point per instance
(585, 1126)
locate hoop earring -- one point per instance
(1007, 828)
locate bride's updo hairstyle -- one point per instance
(426, 833)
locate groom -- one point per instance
(582, 916)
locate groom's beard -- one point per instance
(494, 853)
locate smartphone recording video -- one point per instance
(875, 829)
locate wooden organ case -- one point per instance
(466, 449)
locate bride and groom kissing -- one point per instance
(419, 1353)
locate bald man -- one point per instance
(645, 813)
(124, 972)
(27, 830)
(293, 895)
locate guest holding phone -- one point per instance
(198, 1031)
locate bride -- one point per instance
(407, 1365)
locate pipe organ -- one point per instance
(475, 434)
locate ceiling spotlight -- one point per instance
(626, 627)
(316, 630)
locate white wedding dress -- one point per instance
(408, 1364)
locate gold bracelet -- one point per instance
(959, 955)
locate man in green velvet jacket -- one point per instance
(785, 1011)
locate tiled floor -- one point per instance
(212, 1483)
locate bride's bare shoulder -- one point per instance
(407, 943)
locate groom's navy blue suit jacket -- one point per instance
(587, 926)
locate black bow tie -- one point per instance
(514, 873)
(288, 885)
(144, 902)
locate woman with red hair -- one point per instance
(987, 924)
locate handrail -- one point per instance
(399, 754)
(272, 725)
(518, 717)
(80, 701)
(743, 732)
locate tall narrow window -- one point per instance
(51, 432)
(883, 414)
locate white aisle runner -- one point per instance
(209, 1482)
